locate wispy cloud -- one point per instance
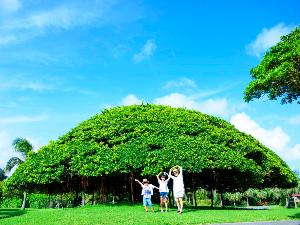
(9, 6)
(267, 38)
(64, 16)
(294, 120)
(181, 83)
(22, 84)
(22, 119)
(147, 50)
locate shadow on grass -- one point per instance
(295, 216)
(186, 209)
(191, 208)
(4, 213)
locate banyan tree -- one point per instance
(104, 154)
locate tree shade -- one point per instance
(278, 74)
(128, 141)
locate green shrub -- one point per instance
(37, 201)
(14, 202)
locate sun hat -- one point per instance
(145, 181)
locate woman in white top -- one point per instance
(178, 186)
(163, 190)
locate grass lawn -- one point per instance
(126, 214)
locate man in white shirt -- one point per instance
(178, 186)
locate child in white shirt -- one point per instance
(163, 190)
(147, 192)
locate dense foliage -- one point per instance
(278, 74)
(122, 142)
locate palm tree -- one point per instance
(24, 147)
(2, 174)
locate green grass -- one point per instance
(126, 214)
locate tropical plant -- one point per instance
(278, 74)
(2, 174)
(25, 148)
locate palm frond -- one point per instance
(12, 162)
(2, 174)
(22, 145)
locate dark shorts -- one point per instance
(164, 194)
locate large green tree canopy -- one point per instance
(146, 139)
(278, 74)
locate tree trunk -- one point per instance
(171, 197)
(221, 200)
(93, 199)
(131, 187)
(212, 197)
(50, 202)
(248, 202)
(24, 201)
(286, 201)
(103, 189)
(194, 199)
(82, 198)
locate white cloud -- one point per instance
(131, 100)
(218, 107)
(274, 138)
(267, 38)
(10, 5)
(294, 153)
(181, 83)
(146, 51)
(294, 120)
(22, 119)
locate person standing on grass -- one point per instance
(147, 192)
(178, 186)
(163, 190)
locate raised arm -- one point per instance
(157, 176)
(170, 173)
(180, 169)
(168, 177)
(155, 187)
(139, 182)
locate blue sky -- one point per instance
(63, 61)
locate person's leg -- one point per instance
(166, 204)
(181, 204)
(177, 203)
(150, 204)
(145, 204)
(161, 203)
